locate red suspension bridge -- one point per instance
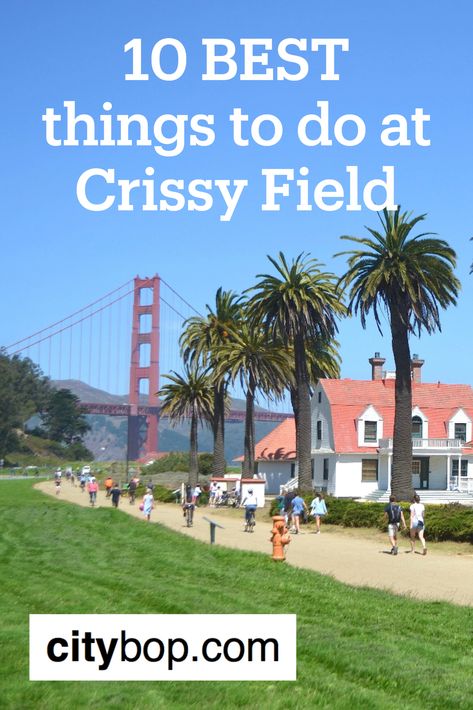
(93, 345)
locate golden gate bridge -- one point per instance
(96, 345)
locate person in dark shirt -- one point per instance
(132, 486)
(395, 517)
(115, 494)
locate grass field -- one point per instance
(356, 647)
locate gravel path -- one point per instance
(356, 561)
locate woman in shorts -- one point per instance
(417, 527)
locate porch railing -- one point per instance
(464, 484)
(452, 444)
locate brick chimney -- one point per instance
(377, 363)
(416, 368)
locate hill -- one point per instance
(108, 436)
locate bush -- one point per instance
(179, 461)
(442, 522)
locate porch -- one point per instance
(437, 465)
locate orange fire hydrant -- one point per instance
(279, 537)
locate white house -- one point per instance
(352, 429)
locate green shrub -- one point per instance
(442, 522)
(179, 461)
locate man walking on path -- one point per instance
(395, 517)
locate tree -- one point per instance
(259, 364)
(200, 344)
(409, 278)
(64, 419)
(23, 391)
(323, 361)
(189, 396)
(298, 306)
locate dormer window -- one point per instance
(371, 431)
(460, 431)
(416, 428)
(369, 427)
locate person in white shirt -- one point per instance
(417, 527)
(250, 503)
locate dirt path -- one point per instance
(357, 561)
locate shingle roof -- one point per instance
(278, 445)
(349, 398)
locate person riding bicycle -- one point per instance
(250, 504)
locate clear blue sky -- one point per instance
(57, 256)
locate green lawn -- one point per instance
(356, 647)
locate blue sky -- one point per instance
(57, 256)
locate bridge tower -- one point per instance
(144, 365)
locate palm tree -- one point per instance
(259, 364)
(188, 396)
(200, 343)
(410, 278)
(299, 306)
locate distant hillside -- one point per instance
(108, 436)
(86, 393)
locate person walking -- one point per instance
(92, 488)
(298, 508)
(395, 517)
(318, 509)
(417, 525)
(196, 495)
(115, 493)
(108, 483)
(148, 504)
(132, 486)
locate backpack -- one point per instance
(395, 513)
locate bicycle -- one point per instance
(250, 520)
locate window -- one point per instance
(312, 468)
(293, 470)
(320, 397)
(325, 469)
(464, 467)
(319, 430)
(416, 428)
(371, 431)
(460, 432)
(369, 470)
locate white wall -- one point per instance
(318, 480)
(348, 477)
(321, 411)
(258, 488)
(383, 473)
(276, 473)
(438, 473)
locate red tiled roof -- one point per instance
(278, 445)
(349, 398)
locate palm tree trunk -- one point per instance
(193, 455)
(401, 476)
(303, 421)
(218, 427)
(249, 451)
